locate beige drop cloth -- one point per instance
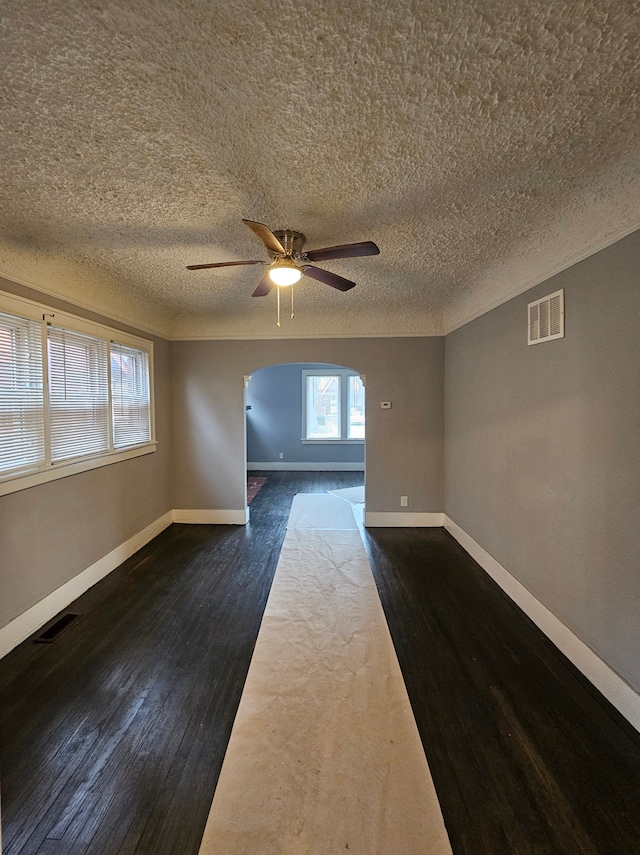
(324, 756)
(355, 495)
(320, 511)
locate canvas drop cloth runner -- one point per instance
(324, 756)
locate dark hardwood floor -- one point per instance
(112, 738)
(526, 756)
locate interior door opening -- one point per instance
(304, 417)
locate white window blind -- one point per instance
(21, 395)
(131, 402)
(71, 399)
(78, 394)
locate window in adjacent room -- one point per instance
(332, 406)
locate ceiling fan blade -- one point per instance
(264, 287)
(266, 236)
(332, 279)
(345, 250)
(221, 264)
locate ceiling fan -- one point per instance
(290, 263)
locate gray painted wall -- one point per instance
(274, 422)
(404, 448)
(52, 532)
(543, 450)
(542, 455)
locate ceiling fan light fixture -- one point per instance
(290, 263)
(284, 272)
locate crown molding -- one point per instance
(456, 322)
(106, 314)
(308, 336)
(585, 253)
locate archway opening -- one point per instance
(304, 417)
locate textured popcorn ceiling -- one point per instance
(482, 145)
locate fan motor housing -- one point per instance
(291, 241)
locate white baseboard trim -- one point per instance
(617, 691)
(285, 466)
(41, 613)
(28, 622)
(215, 517)
(374, 519)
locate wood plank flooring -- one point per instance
(112, 738)
(527, 758)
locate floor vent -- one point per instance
(52, 633)
(546, 318)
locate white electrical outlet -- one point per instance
(281, 455)
(404, 501)
(385, 405)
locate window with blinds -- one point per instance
(78, 394)
(22, 440)
(130, 398)
(68, 397)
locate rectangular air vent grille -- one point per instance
(53, 632)
(546, 318)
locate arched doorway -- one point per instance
(305, 417)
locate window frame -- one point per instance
(78, 387)
(343, 375)
(116, 417)
(46, 315)
(22, 388)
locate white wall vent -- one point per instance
(546, 318)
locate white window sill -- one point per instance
(15, 483)
(332, 441)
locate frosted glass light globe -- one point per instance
(285, 274)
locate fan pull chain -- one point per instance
(292, 289)
(278, 291)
